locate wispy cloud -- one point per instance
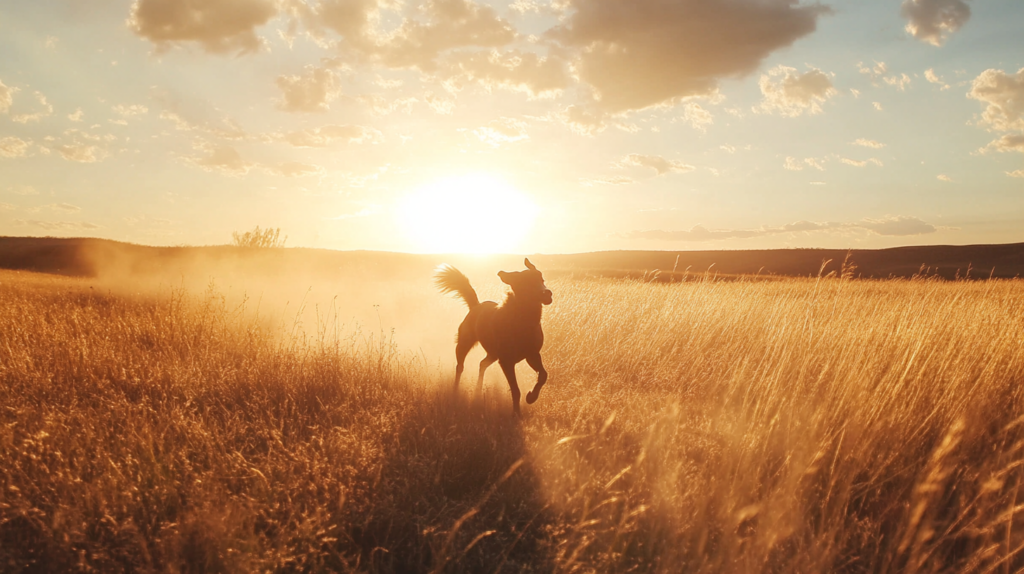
(889, 226)
(612, 180)
(310, 92)
(59, 225)
(659, 164)
(880, 74)
(862, 163)
(502, 131)
(794, 164)
(43, 110)
(868, 143)
(6, 97)
(11, 146)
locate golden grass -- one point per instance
(785, 426)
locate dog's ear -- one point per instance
(529, 265)
(503, 275)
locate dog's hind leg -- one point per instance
(509, 369)
(462, 349)
(542, 377)
(487, 362)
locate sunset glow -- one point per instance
(467, 214)
(649, 124)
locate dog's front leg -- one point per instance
(509, 368)
(542, 377)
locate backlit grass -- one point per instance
(786, 426)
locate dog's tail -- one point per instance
(449, 279)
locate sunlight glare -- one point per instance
(475, 213)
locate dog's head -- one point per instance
(528, 285)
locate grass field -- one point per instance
(797, 425)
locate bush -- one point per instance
(263, 238)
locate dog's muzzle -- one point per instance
(546, 297)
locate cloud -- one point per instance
(224, 159)
(65, 207)
(218, 26)
(645, 53)
(439, 104)
(81, 152)
(527, 6)
(351, 19)
(451, 24)
(697, 116)
(878, 73)
(503, 131)
(1018, 173)
(655, 162)
(128, 111)
(6, 97)
(1004, 94)
(944, 177)
(294, 169)
(45, 110)
(877, 105)
(899, 82)
(77, 116)
(24, 190)
(613, 180)
(933, 78)
(932, 21)
(898, 226)
(868, 143)
(583, 120)
(789, 93)
(1007, 143)
(312, 91)
(516, 70)
(194, 115)
(59, 225)
(331, 134)
(11, 146)
(862, 163)
(793, 164)
(380, 106)
(421, 43)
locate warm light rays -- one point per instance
(475, 213)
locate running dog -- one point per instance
(509, 332)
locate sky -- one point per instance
(531, 126)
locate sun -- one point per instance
(476, 213)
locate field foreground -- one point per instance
(798, 425)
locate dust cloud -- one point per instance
(368, 296)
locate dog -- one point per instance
(509, 332)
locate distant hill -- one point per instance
(101, 257)
(947, 261)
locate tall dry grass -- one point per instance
(788, 426)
